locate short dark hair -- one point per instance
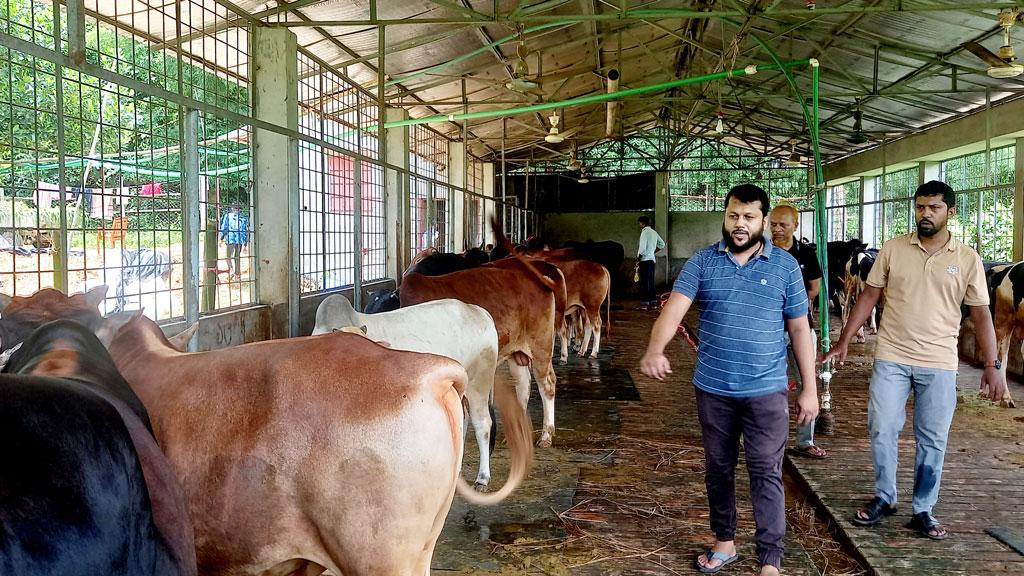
(236, 205)
(644, 220)
(747, 193)
(935, 188)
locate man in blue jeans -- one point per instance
(750, 294)
(650, 244)
(926, 276)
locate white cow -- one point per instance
(460, 331)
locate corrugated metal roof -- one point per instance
(916, 51)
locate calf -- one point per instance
(460, 331)
(587, 287)
(1006, 301)
(86, 490)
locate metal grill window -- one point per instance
(227, 275)
(843, 211)
(701, 179)
(430, 210)
(984, 201)
(333, 108)
(892, 210)
(107, 162)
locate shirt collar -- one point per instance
(949, 246)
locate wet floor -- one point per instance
(622, 489)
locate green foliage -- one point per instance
(136, 128)
(700, 180)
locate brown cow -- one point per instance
(309, 454)
(587, 286)
(521, 301)
(1006, 301)
(23, 314)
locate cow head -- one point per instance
(382, 301)
(22, 315)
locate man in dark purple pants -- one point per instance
(750, 295)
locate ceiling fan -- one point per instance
(1003, 64)
(574, 163)
(794, 160)
(858, 136)
(521, 81)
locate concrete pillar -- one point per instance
(457, 178)
(276, 158)
(488, 209)
(191, 216)
(1018, 200)
(927, 171)
(396, 191)
(869, 191)
(661, 224)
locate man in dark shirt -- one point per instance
(783, 220)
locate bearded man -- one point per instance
(750, 294)
(926, 276)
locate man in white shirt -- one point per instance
(650, 244)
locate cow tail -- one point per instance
(608, 312)
(519, 433)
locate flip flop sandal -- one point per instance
(712, 555)
(875, 511)
(808, 452)
(925, 524)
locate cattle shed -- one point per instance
(348, 136)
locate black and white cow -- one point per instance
(1006, 301)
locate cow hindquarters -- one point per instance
(391, 490)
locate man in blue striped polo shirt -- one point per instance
(749, 294)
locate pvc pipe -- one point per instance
(613, 107)
(592, 98)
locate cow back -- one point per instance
(300, 437)
(515, 301)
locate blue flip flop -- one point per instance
(712, 555)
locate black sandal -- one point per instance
(874, 511)
(925, 524)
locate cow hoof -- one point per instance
(544, 442)
(563, 361)
(480, 486)
(860, 340)
(1007, 403)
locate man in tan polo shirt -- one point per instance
(926, 276)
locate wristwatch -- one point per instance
(997, 364)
